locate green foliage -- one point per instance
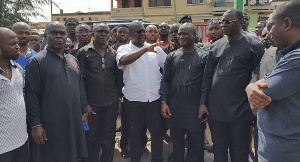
(12, 11)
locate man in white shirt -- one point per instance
(13, 131)
(141, 63)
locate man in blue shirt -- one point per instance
(279, 101)
(22, 31)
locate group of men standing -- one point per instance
(149, 77)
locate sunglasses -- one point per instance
(164, 27)
(227, 22)
(103, 63)
(214, 21)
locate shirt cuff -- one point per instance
(164, 99)
(34, 122)
(203, 101)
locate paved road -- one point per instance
(147, 156)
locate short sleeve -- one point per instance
(122, 50)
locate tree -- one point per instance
(12, 11)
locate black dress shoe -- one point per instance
(124, 153)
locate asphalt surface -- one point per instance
(167, 149)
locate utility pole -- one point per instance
(51, 7)
(175, 10)
(239, 4)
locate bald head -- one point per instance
(151, 34)
(174, 32)
(151, 27)
(189, 27)
(187, 35)
(101, 34)
(56, 35)
(4, 32)
(177, 26)
(103, 26)
(134, 25)
(84, 34)
(18, 25)
(22, 31)
(83, 27)
(54, 24)
(9, 48)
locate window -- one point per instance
(90, 18)
(65, 19)
(155, 3)
(57, 19)
(194, 1)
(82, 19)
(125, 4)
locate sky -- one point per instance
(71, 6)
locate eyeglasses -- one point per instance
(69, 46)
(164, 27)
(227, 22)
(103, 63)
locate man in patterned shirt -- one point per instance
(13, 132)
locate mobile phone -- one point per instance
(204, 118)
(85, 126)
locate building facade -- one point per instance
(83, 17)
(201, 11)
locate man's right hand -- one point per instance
(256, 97)
(150, 48)
(39, 135)
(165, 110)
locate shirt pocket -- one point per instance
(224, 64)
(93, 63)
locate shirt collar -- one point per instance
(92, 46)
(11, 63)
(132, 45)
(290, 48)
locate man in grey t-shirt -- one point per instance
(279, 101)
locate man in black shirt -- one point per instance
(228, 71)
(84, 34)
(175, 43)
(180, 95)
(122, 35)
(102, 81)
(71, 24)
(123, 38)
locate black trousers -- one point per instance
(102, 134)
(137, 113)
(20, 154)
(125, 130)
(195, 144)
(233, 135)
